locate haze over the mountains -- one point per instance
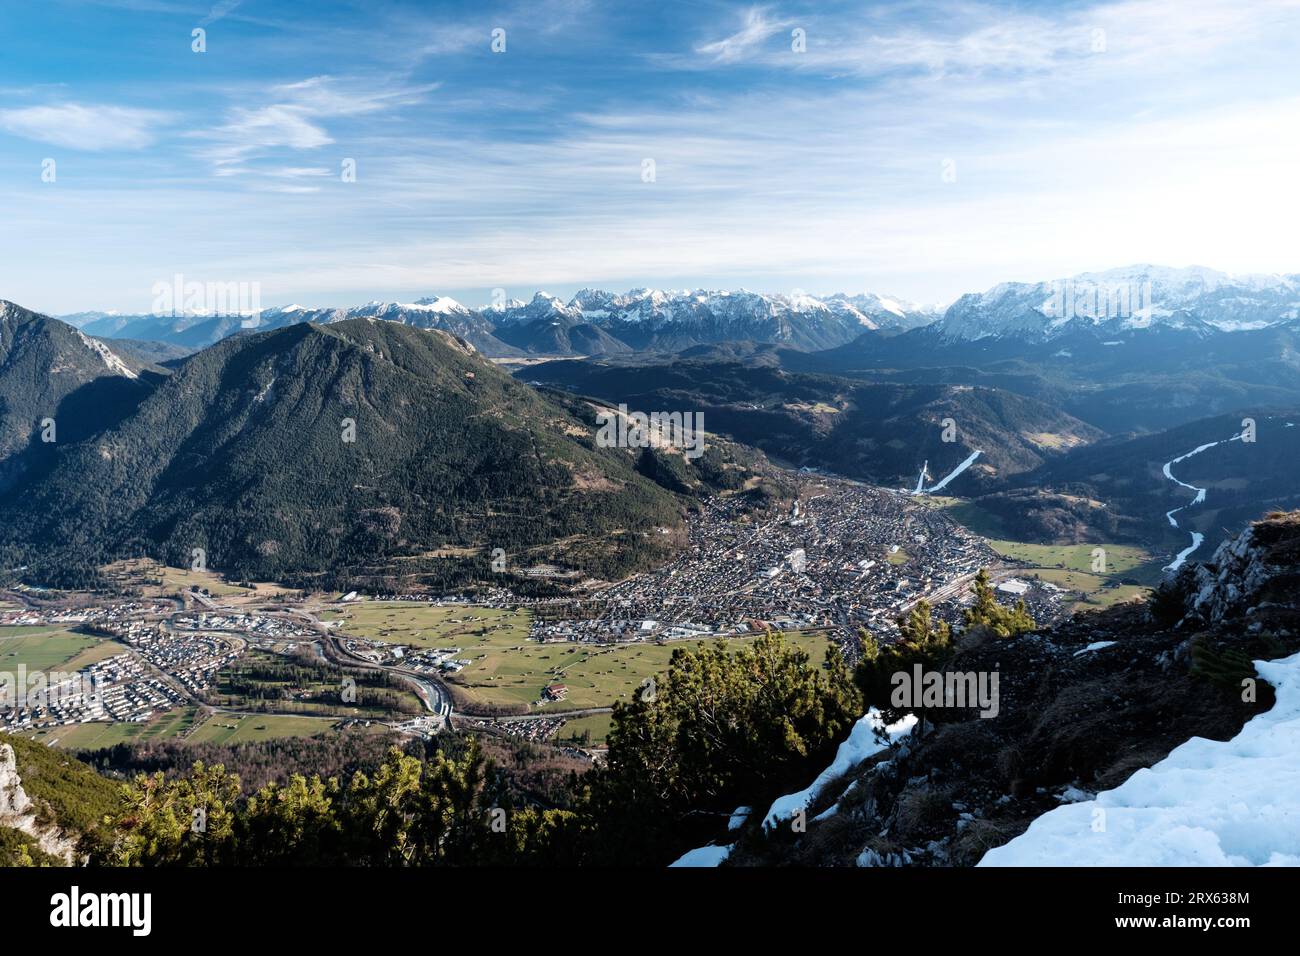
(599, 322)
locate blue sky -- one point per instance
(913, 149)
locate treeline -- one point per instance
(723, 727)
(263, 683)
(256, 763)
(932, 645)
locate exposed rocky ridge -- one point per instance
(1252, 572)
(1082, 707)
(19, 812)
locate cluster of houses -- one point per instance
(847, 556)
(71, 617)
(192, 659)
(273, 626)
(534, 729)
(117, 688)
(431, 660)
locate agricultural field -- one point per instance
(92, 736)
(506, 668)
(595, 726)
(422, 625)
(1066, 565)
(51, 648)
(1122, 560)
(221, 728)
(505, 671)
(1092, 590)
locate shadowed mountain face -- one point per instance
(310, 447)
(871, 431)
(1117, 489)
(1120, 380)
(560, 336)
(52, 373)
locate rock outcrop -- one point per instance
(19, 812)
(1083, 706)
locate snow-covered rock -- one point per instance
(703, 856)
(863, 742)
(1209, 803)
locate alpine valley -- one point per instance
(1085, 485)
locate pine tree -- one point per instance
(988, 615)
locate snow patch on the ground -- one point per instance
(107, 356)
(1209, 803)
(860, 745)
(954, 473)
(1094, 646)
(703, 856)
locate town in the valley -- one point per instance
(841, 557)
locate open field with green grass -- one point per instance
(1093, 590)
(98, 734)
(237, 728)
(596, 726)
(100, 651)
(49, 648)
(968, 514)
(421, 625)
(506, 671)
(1065, 565)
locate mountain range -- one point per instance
(1105, 306)
(235, 449)
(593, 322)
(1119, 300)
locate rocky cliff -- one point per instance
(1083, 706)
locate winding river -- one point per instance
(1197, 537)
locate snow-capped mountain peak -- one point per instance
(440, 303)
(1125, 298)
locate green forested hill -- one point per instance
(311, 448)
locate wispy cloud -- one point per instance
(1082, 135)
(295, 118)
(219, 11)
(757, 29)
(962, 39)
(92, 128)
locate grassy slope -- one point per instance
(1065, 565)
(69, 792)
